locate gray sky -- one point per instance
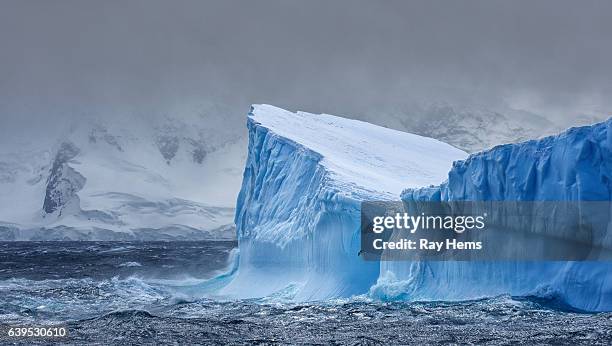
(64, 58)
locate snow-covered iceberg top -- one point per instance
(361, 154)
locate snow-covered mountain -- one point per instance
(470, 128)
(130, 178)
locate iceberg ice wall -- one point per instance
(298, 212)
(575, 165)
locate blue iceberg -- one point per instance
(298, 212)
(575, 165)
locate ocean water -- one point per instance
(118, 293)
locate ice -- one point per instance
(298, 211)
(572, 166)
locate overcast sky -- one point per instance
(63, 58)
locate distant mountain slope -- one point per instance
(468, 128)
(165, 179)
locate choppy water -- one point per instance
(142, 293)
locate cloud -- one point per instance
(64, 58)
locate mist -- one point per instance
(65, 59)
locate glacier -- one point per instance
(298, 211)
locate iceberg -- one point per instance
(575, 165)
(298, 211)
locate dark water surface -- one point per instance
(120, 293)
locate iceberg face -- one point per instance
(298, 212)
(573, 166)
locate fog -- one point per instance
(60, 60)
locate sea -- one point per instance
(153, 293)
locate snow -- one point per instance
(118, 184)
(297, 215)
(355, 152)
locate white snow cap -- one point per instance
(371, 157)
